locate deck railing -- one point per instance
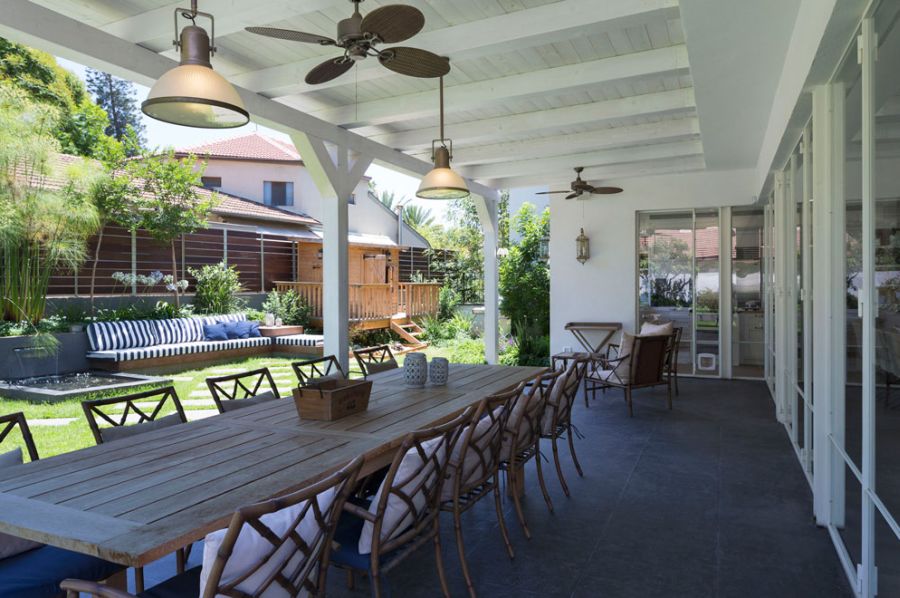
(373, 301)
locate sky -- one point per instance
(160, 134)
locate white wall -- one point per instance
(604, 288)
(245, 179)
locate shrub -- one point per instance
(289, 306)
(467, 351)
(448, 301)
(435, 329)
(161, 310)
(217, 289)
(462, 325)
(371, 338)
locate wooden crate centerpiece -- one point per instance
(332, 399)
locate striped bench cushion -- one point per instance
(301, 340)
(179, 330)
(128, 334)
(229, 318)
(178, 349)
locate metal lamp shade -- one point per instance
(193, 94)
(442, 182)
(582, 248)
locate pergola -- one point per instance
(537, 87)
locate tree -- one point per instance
(503, 219)
(169, 203)
(525, 276)
(46, 215)
(417, 217)
(463, 267)
(115, 197)
(666, 271)
(79, 124)
(117, 97)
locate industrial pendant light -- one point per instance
(192, 94)
(442, 182)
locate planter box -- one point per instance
(18, 358)
(332, 399)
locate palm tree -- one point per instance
(417, 217)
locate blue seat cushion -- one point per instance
(38, 573)
(186, 585)
(242, 329)
(232, 329)
(254, 330)
(214, 332)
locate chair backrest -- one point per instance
(293, 558)
(240, 387)
(313, 370)
(524, 424)
(375, 359)
(477, 454)
(134, 407)
(408, 499)
(674, 346)
(563, 397)
(9, 422)
(648, 359)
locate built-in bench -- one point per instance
(141, 344)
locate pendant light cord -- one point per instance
(442, 110)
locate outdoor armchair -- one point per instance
(375, 360)
(639, 363)
(244, 389)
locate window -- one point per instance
(211, 182)
(352, 200)
(276, 193)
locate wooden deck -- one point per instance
(373, 305)
(134, 501)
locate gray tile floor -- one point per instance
(705, 500)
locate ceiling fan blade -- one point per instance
(328, 70)
(606, 190)
(414, 62)
(550, 192)
(573, 195)
(393, 23)
(291, 35)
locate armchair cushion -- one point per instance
(650, 329)
(233, 404)
(118, 432)
(251, 549)
(623, 367)
(38, 573)
(13, 457)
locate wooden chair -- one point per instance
(521, 442)
(244, 389)
(314, 370)
(375, 360)
(9, 422)
(474, 469)
(292, 561)
(163, 397)
(640, 364)
(147, 422)
(404, 514)
(557, 421)
(672, 356)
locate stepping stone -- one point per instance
(54, 421)
(182, 378)
(200, 393)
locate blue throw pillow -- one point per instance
(231, 329)
(243, 329)
(214, 332)
(254, 330)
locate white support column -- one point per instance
(336, 176)
(487, 214)
(790, 295)
(806, 296)
(829, 302)
(868, 48)
(781, 248)
(725, 303)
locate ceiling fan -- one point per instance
(358, 35)
(580, 187)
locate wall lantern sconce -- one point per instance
(544, 249)
(582, 248)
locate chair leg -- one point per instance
(675, 371)
(628, 400)
(669, 394)
(350, 579)
(559, 473)
(500, 518)
(540, 474)
(180, 560)
(572, 451)
(512, 481)
(440, 561)
(460, 548)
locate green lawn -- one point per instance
(190, 385)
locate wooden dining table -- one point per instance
(136, 500)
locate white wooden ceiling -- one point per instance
(536, 87)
